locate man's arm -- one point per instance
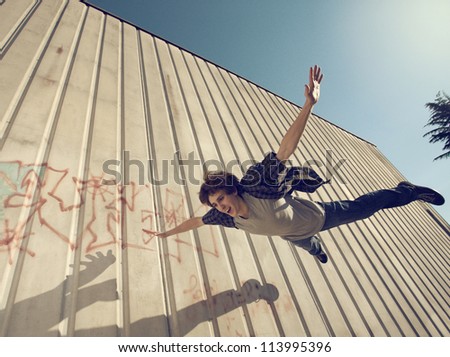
(189, 224)
(292, 137)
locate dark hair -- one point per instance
(215, 181)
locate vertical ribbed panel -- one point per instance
(104, 132)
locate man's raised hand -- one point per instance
(312, 90)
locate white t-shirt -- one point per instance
(292, 218)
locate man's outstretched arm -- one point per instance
(187, 225)
(292, 137)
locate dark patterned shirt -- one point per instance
(269, 179)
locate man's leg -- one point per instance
(312, 246)
(343, 212)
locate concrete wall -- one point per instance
(78, 256)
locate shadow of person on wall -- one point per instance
(206, 310)
(40, 315)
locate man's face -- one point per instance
(226, 203)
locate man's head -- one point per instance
(220, 190)
(217, 181)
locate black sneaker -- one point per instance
(425, 194)
(322, 257)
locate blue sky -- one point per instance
(382, 60)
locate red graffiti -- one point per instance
(173, 214)
(84, 213)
